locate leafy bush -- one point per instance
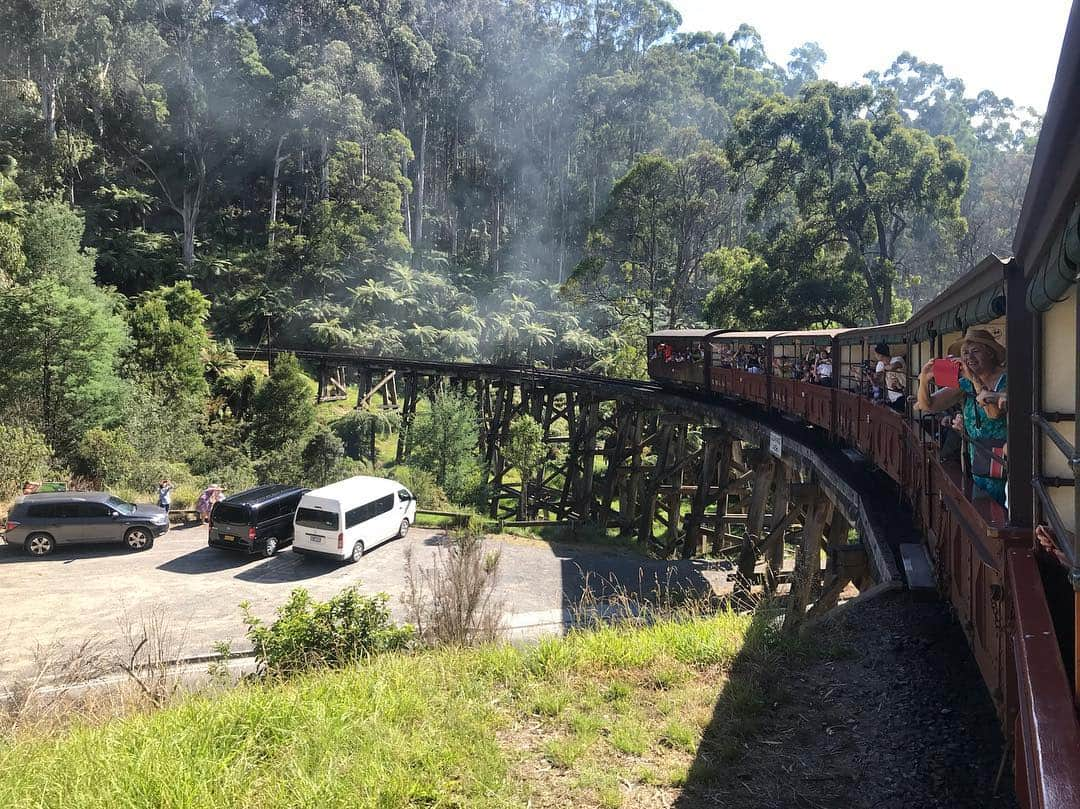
(312, 634)
(282, 465)
(283, 407)
(355, 428)
(421, 483)
(234, 477)
(105, 456)
(320, 457)
(444, 442)
(24, 455)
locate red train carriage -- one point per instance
(740, 364)
(680, 356)
(804, 373)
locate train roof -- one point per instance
(747, 336)
(1054, 183)
(873, 332)
(1047, 238)
(977, 296)
(685, 333)
(810, 335)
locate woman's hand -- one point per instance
(1044, 538)
(927, 372)
(958, 423)
(992, 402)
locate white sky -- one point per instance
(1006, 46)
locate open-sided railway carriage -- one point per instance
(1018, 601)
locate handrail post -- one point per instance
(1020, 349)
(1074, 465)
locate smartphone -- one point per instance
(947, 373)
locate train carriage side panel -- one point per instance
(1057, 395)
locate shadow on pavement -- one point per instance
(13, 554)
(206, 560)
(287, 566)
(591, 576)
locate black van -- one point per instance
(258, 520)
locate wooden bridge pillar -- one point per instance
(716, 443)
(807, 562)
(408, 416)
(774, 543)
(761, 485)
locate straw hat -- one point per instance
(982, 337)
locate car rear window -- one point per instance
(231, 513)
(317, 518)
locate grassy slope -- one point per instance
(572, 721)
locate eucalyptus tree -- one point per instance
(860, 179)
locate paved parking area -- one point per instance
(97, 592)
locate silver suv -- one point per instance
(40, 522)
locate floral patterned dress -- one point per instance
(978, 425)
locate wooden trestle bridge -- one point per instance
(684, 476)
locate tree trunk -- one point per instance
(188, 246)
(496, 228)
(48, 88)
(324, 168)
(418, 217)
(274, 192)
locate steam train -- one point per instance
(1017, 599)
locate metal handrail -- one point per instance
(1063, 537)
(1059, 441)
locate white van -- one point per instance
(346, 518)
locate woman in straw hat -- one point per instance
(983, 416)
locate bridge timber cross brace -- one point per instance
(682, 480)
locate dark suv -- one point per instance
(40, 522)
(258, 520)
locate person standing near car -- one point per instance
(164, 497)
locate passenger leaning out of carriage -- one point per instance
(823, 369)
(888, 381)
(980, 390)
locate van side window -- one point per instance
(369, 510)
(355, 516)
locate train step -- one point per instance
(918, 571)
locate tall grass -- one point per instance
(424, 729)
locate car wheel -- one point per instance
(357, 552)
(138, 539)
(269, 547)
(39, 544)
(404, 529)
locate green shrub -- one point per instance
(311, 634)
(428, 493)
(281, 465)
(24, 455)
(234, 477)
(283, 407)
(444, 442)
(105, 456)
(320, 457)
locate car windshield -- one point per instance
(123, 506)
(317, 518)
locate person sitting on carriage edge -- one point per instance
(983, 418)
